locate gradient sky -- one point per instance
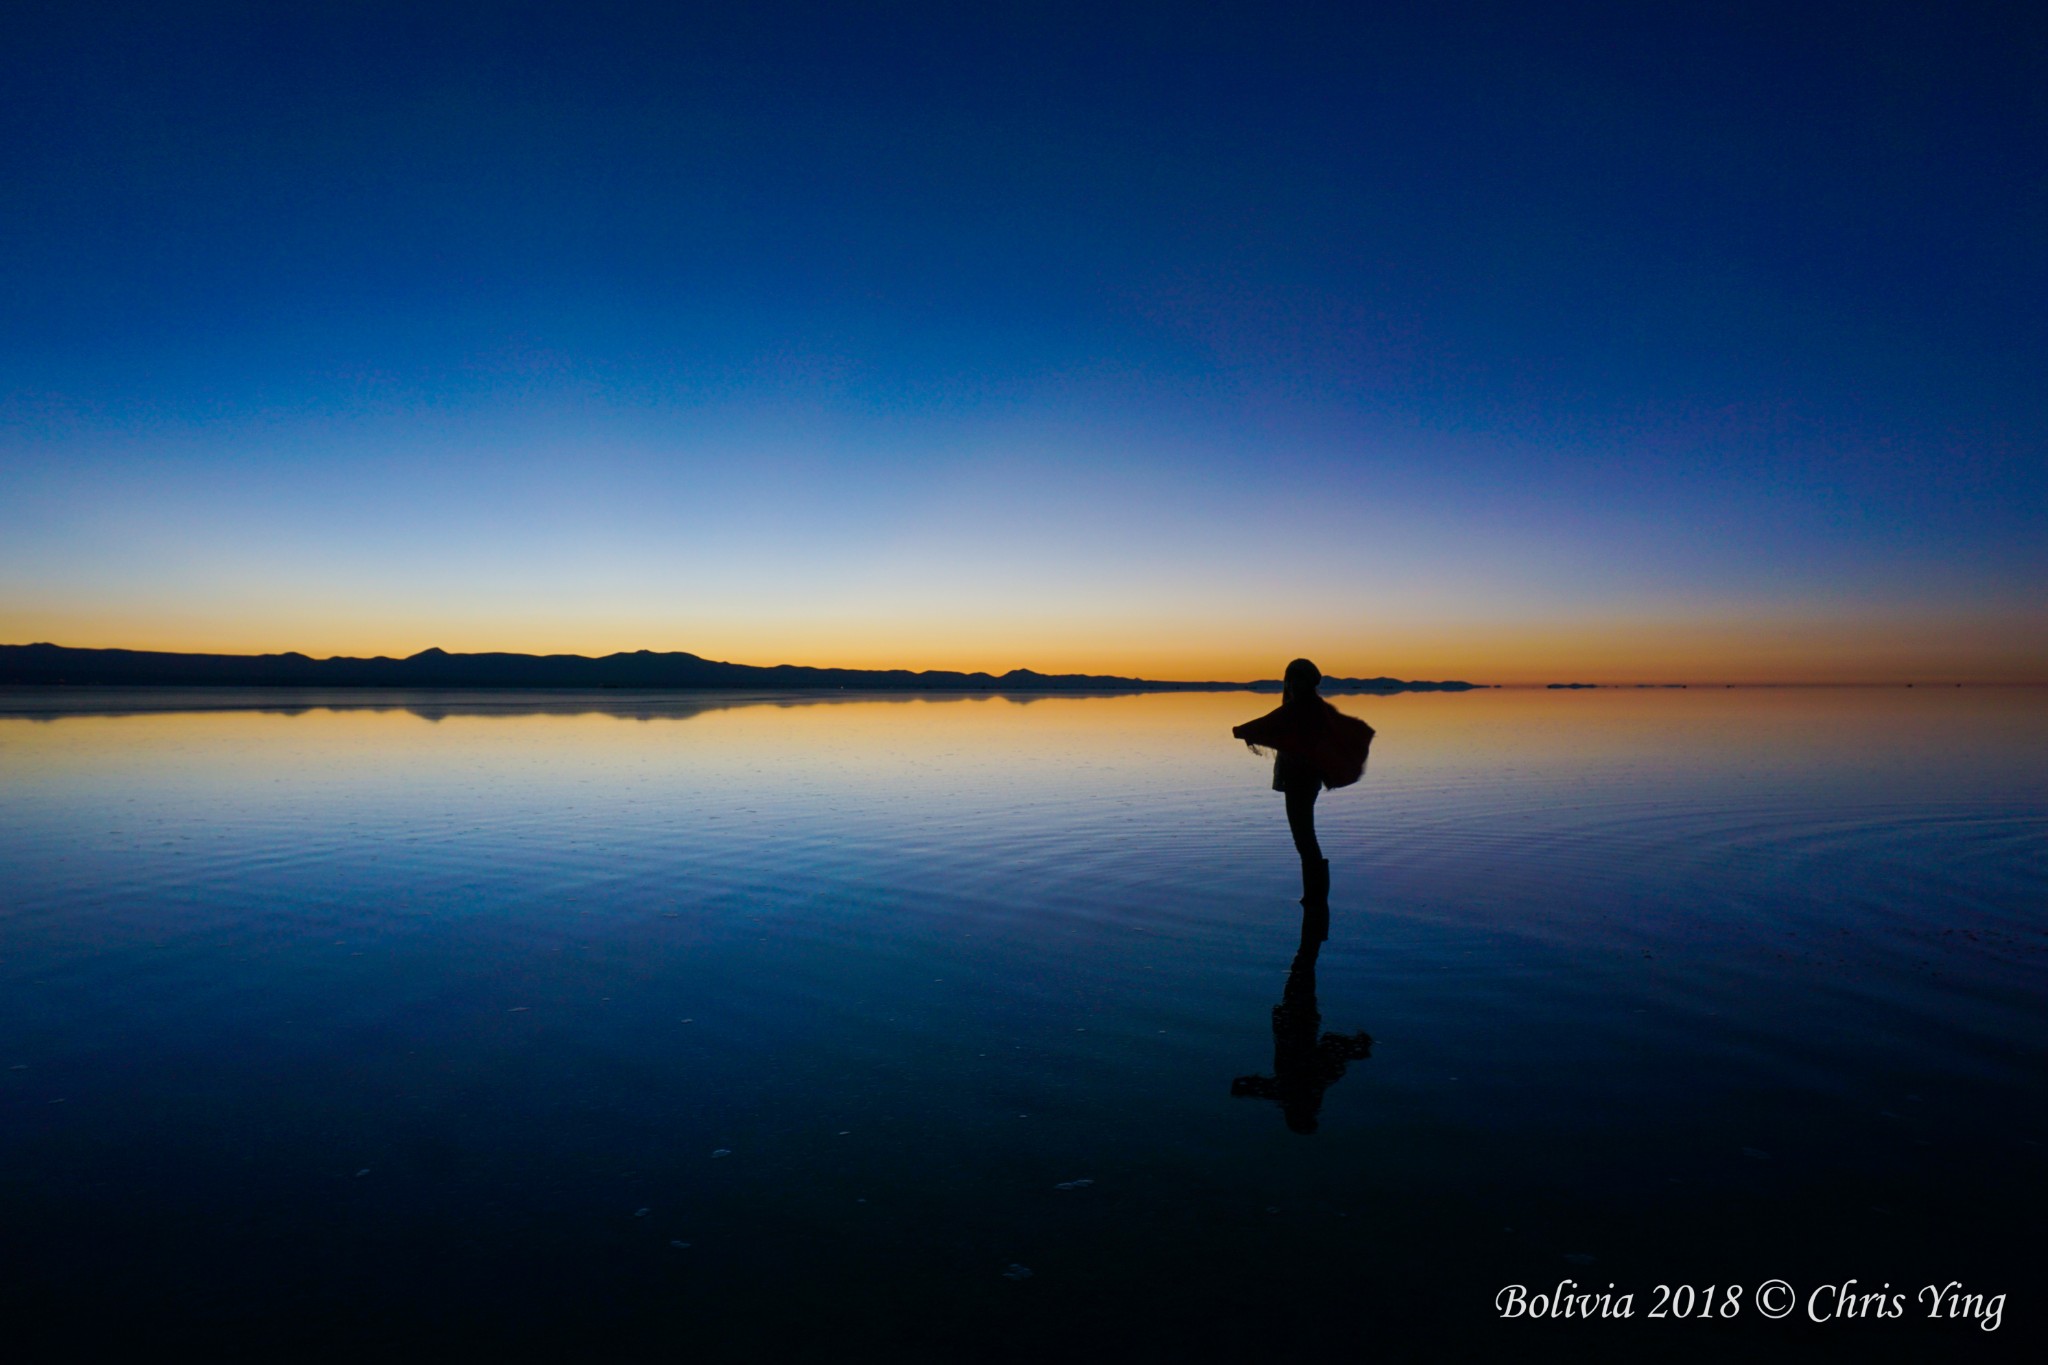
(1624, 342)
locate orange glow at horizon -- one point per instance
(1992, 648)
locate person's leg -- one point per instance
(1301, 822)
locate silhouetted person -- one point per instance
(1305, 1062)
(1315, 745)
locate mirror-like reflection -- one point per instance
(329, 1030)
(1306, 1061)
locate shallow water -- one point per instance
(441, 1021)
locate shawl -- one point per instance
(1335, 742)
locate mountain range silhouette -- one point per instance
(56, 665)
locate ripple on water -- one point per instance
(996, 946)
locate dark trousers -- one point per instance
(1301, 820)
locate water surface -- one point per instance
(443, 1020)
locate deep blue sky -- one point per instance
(1661, 339)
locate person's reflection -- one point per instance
(1305, 1061)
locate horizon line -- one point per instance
(436, 652)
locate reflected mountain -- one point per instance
(57, 703)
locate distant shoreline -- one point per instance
(49, 665)
(63, 668)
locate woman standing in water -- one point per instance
(1315, 745)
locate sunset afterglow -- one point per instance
(1519, 351)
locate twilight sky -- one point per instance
(1510, 342)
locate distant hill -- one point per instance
(55, 665)
(1342, 685)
